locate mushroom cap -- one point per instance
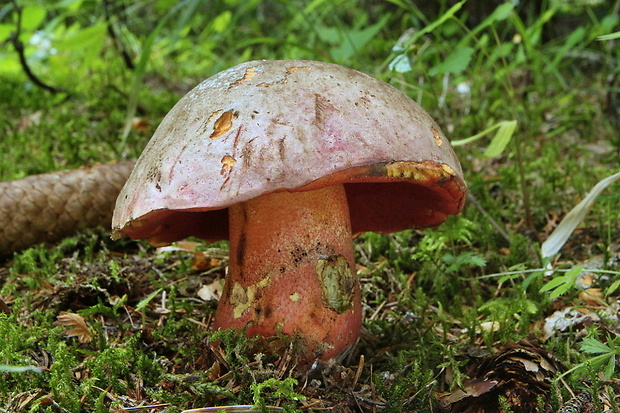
(290, 125)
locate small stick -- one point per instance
(19, 48)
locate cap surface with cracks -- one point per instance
(228, 159)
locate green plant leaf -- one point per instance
(505, 131)
(350, 42)
(577, 36)
(560, 289)
(221, 22)
(601, 362)
(610, 36)
(145, 301)
(612, 288)
(574, 273)
(455, 263)
(610, 368)
(591, 345)
(441, 20)
(501, 139)
(86, 38)
(455, 62)
(6, 30)
(502, 12)
(32, 17)
(563, 283)
(554, 283)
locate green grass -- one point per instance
(430, 296)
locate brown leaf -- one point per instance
(140, 124)
(200, 262)
(32, 119)
(79, 330)
(592, 297)
(203, 260)
(472, 388)
(211, 291)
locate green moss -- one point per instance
(406, 384)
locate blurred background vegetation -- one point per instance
(89, 81)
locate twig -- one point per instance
(525, 192)
(142, 408)
(19, 48)
(358, 373)
(117, 42)
(492, 221)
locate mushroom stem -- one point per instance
(292, 270)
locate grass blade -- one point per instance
(562, 232)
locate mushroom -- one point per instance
(288, 160)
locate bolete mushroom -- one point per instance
(288, 159)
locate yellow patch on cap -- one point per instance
(223, 124)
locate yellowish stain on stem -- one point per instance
(243, 298)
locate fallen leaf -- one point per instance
(79, 327)
(140, 124)
(592, 297)
(211, 291)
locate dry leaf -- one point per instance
(140, 124)
(592, 297)
(203, 260)
(200, 262)
(79, 330)
(32, 119)
(211, 291)
(489, 326)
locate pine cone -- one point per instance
(48, 207)
(519, 374)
